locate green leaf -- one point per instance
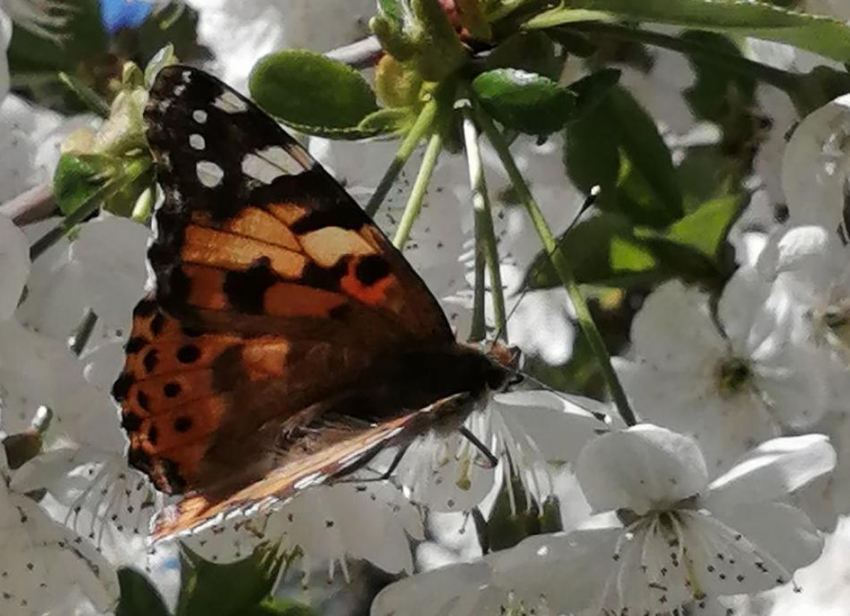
(705, 230)
(533, 52)
(279, 607)
(641, 142)
(593, 89)
(717, 93)
(522, 101)
(91, 99)
(616, 146)
(390, 9)
(209, 589)
(139, 597)
(84, 40)
(78, 177)
(312, 93)
(817, 33)
(602, 250)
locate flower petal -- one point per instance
(813, 170)
(772, 470)
(778, 529)
(110, 252)
(640, 468)
(567, 571)
(555, 424)
(674, 329)
(455, 590)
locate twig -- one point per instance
(361, 54)
(34, 205)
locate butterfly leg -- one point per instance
(476, 442)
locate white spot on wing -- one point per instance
(309, 480)
(178, 90)
(271, 163)
(186, 75)
(230, 103)
(197, 141)
(209, 174)
(199, 115)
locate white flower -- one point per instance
(813, 265)
(14, 266)
(664, 536)
(5, 39)
(240, 34)
(41, 562)
(730, 382)
(815, 166)
(329, 525)
(526, 429)
(29, 144)
(110, 252)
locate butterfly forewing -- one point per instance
(276, 301)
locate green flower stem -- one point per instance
(424, 123)
(485, 236)
(562, 267)
(86, 209)
(420, 187)
(783, 80)
(478, 329)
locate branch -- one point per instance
(360, 54)
(34, 205)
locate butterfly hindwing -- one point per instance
(329, 451)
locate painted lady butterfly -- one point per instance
(286, 340)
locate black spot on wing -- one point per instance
(122, 386)
(131, 422)
(188, 353)
(171, 390)
(245, 290)
(371, 269)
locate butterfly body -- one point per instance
(285, 338)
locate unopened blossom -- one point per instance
(730, 380)
(663, 535)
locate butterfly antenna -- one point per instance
(600, 416)
(588, 203)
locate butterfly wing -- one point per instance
(273, 292)
(331, 450)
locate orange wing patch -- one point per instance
(176, 389)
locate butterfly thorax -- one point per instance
(412, 380)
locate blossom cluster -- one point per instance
(729, 485)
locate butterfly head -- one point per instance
(504, 366)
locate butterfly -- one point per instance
(285, 341)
